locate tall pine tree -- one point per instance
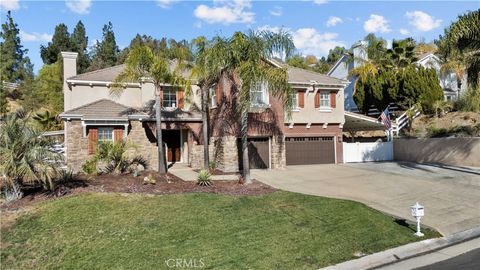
(106, 51)
(15, 66)
(61, 42)
(79, 42)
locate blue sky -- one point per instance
(316, 25)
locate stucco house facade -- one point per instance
(311, 134)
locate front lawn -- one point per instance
(280, 230)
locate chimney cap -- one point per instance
(360, 43)
(69, 55)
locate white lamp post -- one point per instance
(418, 212)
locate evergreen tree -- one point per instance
(60, 43)
(79, 41)
(335, 54)
(47, 92)
(14, 65)
(106, 51)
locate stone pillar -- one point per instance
(278, 153)
(141, 144)
(76, 145)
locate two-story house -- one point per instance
(311, 134)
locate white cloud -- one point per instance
(226, 12)
(276, 11)
(422, 21)
(32, 37)
(320, 2)
(9, 4)
(164, 3)
(375, 24)
(309, 40)
(332, 21)
(79, 6)
(404, 31)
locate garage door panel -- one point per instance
(258, 153)
(309, 150)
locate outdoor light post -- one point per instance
(418, 212)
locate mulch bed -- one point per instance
(169, 184)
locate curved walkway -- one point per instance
(451, 196)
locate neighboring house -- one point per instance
(342, 68)
(452, 87)
(344, 65)
(312, 134)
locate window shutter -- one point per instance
(117, 134)
(333, 101)
(92, 140)
(218, 93)
(317, 100)
(301, 99)
(180, 99)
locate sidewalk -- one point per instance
(188, 174)
(416, 254)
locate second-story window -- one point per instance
(259, 94)
(169, 98)
(324, 100)
(213, 98)
(295, 105)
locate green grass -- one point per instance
(281, 230)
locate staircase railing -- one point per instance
(402, 120)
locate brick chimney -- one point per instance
(69, 70)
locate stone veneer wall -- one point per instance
(77, 145)
(141, 145)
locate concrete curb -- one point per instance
(408, 251)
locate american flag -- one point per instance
(385, 116)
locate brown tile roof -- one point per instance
(102, 109)
(109, 110)
(105, 74)
(109, 74)
(300, 75)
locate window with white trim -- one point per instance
(169, 98)
(213, 98)
(105, 134)
(324, 100)
(295, 105)
(259, 94)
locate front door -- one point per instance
(172, 139)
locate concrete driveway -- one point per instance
(451, 196)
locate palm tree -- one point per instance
(402, 52)
(207, 70)
(464, 36)
(47, 121)
(25, 157)
(247, 67)
(143, 65)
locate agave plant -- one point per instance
(204, 178)
(117, 159)
(25, 157)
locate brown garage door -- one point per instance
(309, 150)
(258, 153)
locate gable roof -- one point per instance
(339, 61)
(106, 74)
(303, 76)
(109, 74)
(101, 109)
